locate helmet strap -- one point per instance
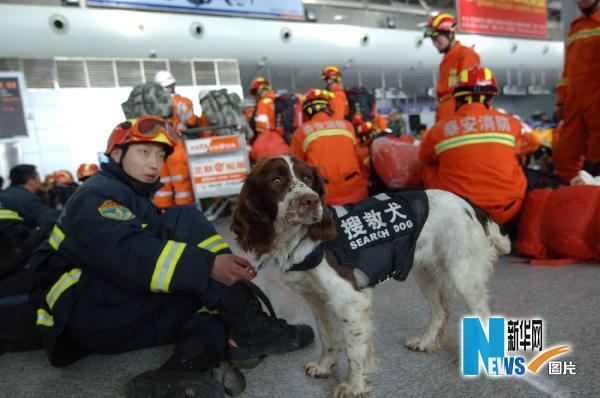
(124, 149)
(450, 36)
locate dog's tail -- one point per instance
(500, 242)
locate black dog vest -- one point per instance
(377, 235)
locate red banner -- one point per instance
(521, 18)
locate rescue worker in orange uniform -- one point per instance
(365, 132)
(264, 114)
(330, 144)
(339, 103)
(474, 152)
(268, 140)
(177, 186)
(442, 28)
(86, 170)
(578, 95)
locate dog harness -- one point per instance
(377, 235)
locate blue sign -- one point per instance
(283, 9)
(498, 348)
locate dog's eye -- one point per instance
(276, 181)
(307, 179)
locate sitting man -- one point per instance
(473, 153)
(25, 219)
(116, 276)
(329, 144)
(20, 208)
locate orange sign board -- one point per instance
(211, 145)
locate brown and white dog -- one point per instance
(280, 217)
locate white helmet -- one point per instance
(164, 78)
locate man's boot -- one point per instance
(187, 373)
(255, 332)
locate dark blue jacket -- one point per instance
(108, 261)
(21, 211)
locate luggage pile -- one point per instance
(222, 109)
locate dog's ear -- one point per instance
(251, 223)
(325, 229)
(317, 184)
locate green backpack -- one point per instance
(148, 99)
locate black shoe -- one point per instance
(187, 373)
(17, 329)
(255, 332)
(167, 383)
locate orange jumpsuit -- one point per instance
(177, 186)
(457, 59)
(264, 118)
(175, 175)
(330, 145)
(339, 103)
(474, 154)
(579, 92)
(183, 113)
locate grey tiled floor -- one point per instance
(566, 298)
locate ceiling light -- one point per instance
(390, 22)
(310, 14)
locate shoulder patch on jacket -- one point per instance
(114, 211)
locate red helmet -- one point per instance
(476, 80)
(62, 177)
(258, 84)
(440, 23)
(86, 170)
(143, 129)
(316, 100)
(331, 72)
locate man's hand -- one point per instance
(229, 268)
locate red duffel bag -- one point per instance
(562, 223)
(396, 162)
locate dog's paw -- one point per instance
(419, 343)
(352, 390)
(318, 371)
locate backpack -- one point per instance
(288, 115)
(361, 97)
(222, 108)
(396, 162)
(268, 143)
(148, 99)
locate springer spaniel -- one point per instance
(280, 217)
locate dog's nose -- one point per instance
(308, 200)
